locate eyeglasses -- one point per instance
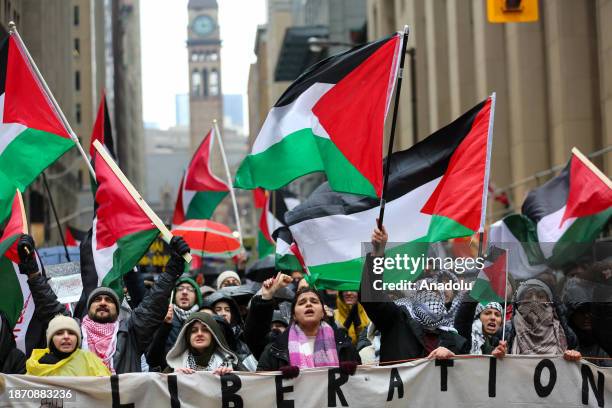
(190, 289)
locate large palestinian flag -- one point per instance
(120, 235)
(273, 217)
(330, 119)
(32, 136)
(200, 191)
(570, 210)
(436, 192)
(15, 298)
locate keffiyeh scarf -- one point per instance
(325, 353)
(101, 339)
(478, 336)
(183, 315)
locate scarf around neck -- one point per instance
(101, 339)
(538, 330)
(325, 353)
(182, 314)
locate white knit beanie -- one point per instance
(227, 274)
(61, 322)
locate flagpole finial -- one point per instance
(406, 29)
(215, 121)
(12, 27)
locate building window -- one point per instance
(194, 56)
(196, 83)
(205, 82)
(77, 80)
(213, 82)
(213, 56)
(77, 113)
(77, 47)
(76, 16)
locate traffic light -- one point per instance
(512, 11)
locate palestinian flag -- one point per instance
(259, 198)
(273, 217)
(200, 191)
(288, 257)
(570, 210)
(437, 191)
(32, 136)
(490, 284)
(120, 236)
(330, 119)
(516, 234)
(15, 298)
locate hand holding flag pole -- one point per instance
(13, 31)
(166, 234)
(400, 74)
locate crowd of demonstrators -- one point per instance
(181, 325)
(119, 340)
(63, 355)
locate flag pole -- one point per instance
(505, 301)
(229, 180)
(400, 74)
(24, 220)
(485, 186)
(166, 234)
(59, 226)
(592, 167)
(13, 31)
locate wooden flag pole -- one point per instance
(166, 234)
(13, 31)
(24, 220)
(400, 74)
(229, 179)
(592, 167)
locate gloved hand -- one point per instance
(348, 367)
(27, 258)
(176, 264)
(290, 371)
(179, 246)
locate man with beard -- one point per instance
(118, 341)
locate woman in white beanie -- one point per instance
(63, 355)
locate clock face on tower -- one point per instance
(203, 25)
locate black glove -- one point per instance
(179, 246)
(348, 367)
(26, 251)
(176, 264)
(290, 371)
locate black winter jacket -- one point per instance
(12, 360)
(463, 323)
(258, 323)
(401, 336)
(135, 332)
(276, 354)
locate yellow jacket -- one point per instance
(341, 314)
(78, 364)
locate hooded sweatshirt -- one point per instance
(218, 352)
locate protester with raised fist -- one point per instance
(309, 341)
(410, 328)
(118, 341)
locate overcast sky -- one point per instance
(164, 53)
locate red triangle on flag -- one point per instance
(199, 176)
(588, 194)
(16, 225)
(25, 101)
(118, 214)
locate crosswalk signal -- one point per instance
(512, 11)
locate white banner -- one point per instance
(468, 382)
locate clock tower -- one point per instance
(204, 50)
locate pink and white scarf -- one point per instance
(325, 353)
(101, 339)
